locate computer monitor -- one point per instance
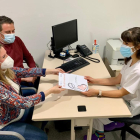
(64, 34)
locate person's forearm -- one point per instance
(49, 71)
(23, 79)
(28, 72)
(21, 102)
(107, 81)
(47, 92)
(113, 93)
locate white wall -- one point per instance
(97, 19)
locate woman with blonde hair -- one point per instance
(14, 108)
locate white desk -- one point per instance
(66, 107)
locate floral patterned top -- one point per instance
(11, 102)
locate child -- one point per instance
(129, 80)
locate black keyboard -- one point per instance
(74, 65)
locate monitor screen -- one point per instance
(65, 34)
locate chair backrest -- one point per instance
(10, 135)
(133, 120)
(26, 66)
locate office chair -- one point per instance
(24, 62)
(32, 88)
(29, 88)
(36, 83)
(13, 135)
(128, 122)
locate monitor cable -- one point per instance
(50, 55)
(70, 48)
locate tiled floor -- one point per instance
(55, 135)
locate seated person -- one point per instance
(129, 80)
(15, 108)
(16, 49)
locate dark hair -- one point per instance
(132, 35)
(4, 19)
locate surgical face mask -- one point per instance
(9, 38)
(126, 51)
(7, 63)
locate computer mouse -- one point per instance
(75, 55)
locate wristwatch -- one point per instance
(100, 93)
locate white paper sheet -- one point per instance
(73, 82)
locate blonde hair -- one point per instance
(9, 73)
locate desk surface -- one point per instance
(54, 108)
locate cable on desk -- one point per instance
(71, 48)
(92, 59)
(48, 44)
(50, 55)
(89, 58)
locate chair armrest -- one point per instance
(133, 120)
(12, 134)
(28, 88)
(35, 63)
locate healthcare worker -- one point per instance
(129, 80)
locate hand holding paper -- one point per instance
(73, 82)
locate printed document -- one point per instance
(73, 82)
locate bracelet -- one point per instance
(100, 93)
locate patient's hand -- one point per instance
(54, 71)
(29, 79)
(56, 89)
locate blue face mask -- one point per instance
(9, 38)
(126, 51)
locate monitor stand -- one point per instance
(57, 54)
(62, 58)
